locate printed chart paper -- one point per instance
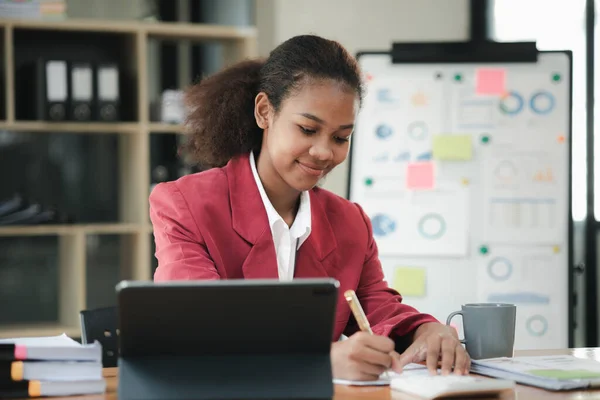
(527, 277)
(520, 198)
(425, 223)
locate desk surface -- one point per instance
(384, 393)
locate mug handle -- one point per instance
(449, 319)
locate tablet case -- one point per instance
(195, 340)
(226, 377)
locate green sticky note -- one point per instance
(452, 147)
(564, 374)
(409, 281)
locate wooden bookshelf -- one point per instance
(165, 128)
(40, 330)
(88, 229)
(132, 40)
(72, 127)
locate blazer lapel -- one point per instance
(250, 221)
(310, 259)
(261, 262)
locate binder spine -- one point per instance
(107, 92)
(57, 89)
(81, 91)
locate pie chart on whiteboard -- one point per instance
(383, 225)
(432, 226)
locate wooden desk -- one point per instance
(384, 393)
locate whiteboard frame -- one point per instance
(572, 296)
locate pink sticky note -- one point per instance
(490, 81)
(419, 176)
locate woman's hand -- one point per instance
(434, 341)
(362, 357)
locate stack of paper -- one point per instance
(50, 366)
(562, 372)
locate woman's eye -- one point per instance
(342, 139)
(307, 130)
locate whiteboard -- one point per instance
(464, 171)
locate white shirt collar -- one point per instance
(301, 227)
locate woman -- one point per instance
(267, 132)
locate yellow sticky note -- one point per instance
(452, 147)
(410, 281)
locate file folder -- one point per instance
(43, 90)
(108, 96)
(81, 91)
(56, 90)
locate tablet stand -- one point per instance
(240, 376)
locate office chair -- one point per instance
(101, 324)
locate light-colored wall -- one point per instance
(111, 9)
(360, 25)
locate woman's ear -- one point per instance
(262, 109)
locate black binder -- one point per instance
(81, 90)
(107, 92)
(44, 96)
(226, 339)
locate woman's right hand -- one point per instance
(362, 357)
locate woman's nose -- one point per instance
(321, 151)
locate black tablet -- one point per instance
(226, 317)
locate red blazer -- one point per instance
(213, 225)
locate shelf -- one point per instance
(91, 229)
(81, 25)
(93, 171)
(157, 127)
(194, 32)
(12, 331)
(70, 127)
(162, 30)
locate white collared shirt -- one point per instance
(284, 237)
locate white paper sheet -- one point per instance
(385, 378)
(396, 125)
(428, 223)
(44, 341)
(558, 372)
(512, 275)
(523, 198)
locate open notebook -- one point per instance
(560, 372)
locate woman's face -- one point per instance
(310, 135)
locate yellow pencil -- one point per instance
(357, 310)
(359, 315)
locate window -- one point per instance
(554, 26)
